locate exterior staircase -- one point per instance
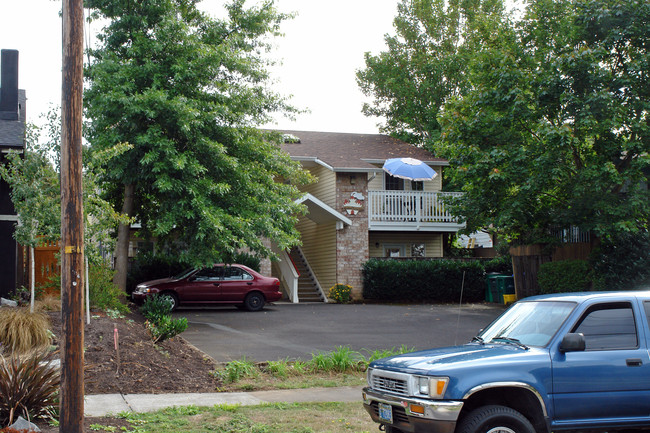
(308, 287)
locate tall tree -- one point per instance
(424, 63)
(555, 129)
(35, 194)
(185, 90)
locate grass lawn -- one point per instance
(268, 418)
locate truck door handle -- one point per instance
(634, 362)
(250, 284)
(216, 284)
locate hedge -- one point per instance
(423, 280)
(564, 276)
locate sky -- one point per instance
(322, 48)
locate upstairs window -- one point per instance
(393, 183)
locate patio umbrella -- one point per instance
(409, 168)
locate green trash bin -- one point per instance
(499, 285)
(492, 288)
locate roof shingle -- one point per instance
(347, 152)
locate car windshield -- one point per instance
(531, 323)
(184, 274)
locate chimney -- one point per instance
(9, 85)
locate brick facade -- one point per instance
(352, 240)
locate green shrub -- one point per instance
(166, 328)
(155, 307)
(622, 262)
(340, 293)
(22, 331)
(104, 295)
(423, 280)
(500, 264)
(564, 276)
(29, 387)
(157, 312)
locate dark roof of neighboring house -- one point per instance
(12, 132)
(350, 152)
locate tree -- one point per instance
(35, 194)
(185, 91)
(424, 64)
(554, 130)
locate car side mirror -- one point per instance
(573, 342)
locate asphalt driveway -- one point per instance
(294, 331)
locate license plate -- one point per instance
(386, 412)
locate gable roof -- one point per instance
(352, 152)
(12, 132)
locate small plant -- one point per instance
(29, 387)
(104, 295)
(166, 328)
(238, 369)
(155, 307)
(385, 353)
(279, 368)
(22, 331)
(157, 310)
(340, 293)
(345, 359)
(340, 360)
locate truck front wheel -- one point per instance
(495, 419)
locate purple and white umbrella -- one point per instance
(409, 168)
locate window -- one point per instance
(208, 274)
(608, 327)
(417, 250)
(394, 250)
(234, 273)
(417, 185)
(393, 183)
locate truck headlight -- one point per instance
(434, 387)
(369, 377)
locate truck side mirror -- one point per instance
(573, 343)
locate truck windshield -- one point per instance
(531, 323)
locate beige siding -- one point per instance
(376, 183)
(319, 247)
(325, 188)
(436, 183)
(432, 242)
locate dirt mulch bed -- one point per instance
(138, 366)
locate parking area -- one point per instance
(295, 331)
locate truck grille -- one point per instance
(389, 384)
(399, 413)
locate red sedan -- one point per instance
(221, 284)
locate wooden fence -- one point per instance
(527, 259)
(46, 263)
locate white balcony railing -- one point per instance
(410, 208)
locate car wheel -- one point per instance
(254, 301)
(495, 419)
(171, 298)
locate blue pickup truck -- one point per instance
(563, 362)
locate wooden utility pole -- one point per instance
(72, 230)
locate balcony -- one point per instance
(411, 210)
